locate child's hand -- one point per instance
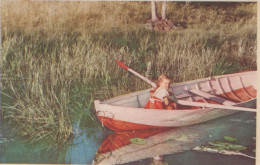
(151, 92)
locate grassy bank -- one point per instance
(57, 57)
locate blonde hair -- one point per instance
(161, 78)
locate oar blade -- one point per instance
(122, 65)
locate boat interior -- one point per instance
(224, 90)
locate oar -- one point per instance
(135, 73)
(183, 102)
(198, 104)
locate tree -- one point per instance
(154, 10)
(162, 25)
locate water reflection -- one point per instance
(118, 148)
(120, 139)
(174, 145)
(84, 146)
(80, 150)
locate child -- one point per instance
(159, 97)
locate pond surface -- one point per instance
(175, 145)
(81, 149)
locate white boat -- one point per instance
(221, 95)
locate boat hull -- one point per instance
(184, 118)
(118, 125)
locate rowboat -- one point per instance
(225, 94)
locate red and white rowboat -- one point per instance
(201, 100)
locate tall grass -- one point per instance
(57, 57)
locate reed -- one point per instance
(57, 57)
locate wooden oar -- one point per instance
(135, 73)
(219, 106)
(188, 103)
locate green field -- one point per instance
(57, 57)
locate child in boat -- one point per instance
(159, 96)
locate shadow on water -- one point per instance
(174, 145)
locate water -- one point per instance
(84, 147)
(199, 158)
(81, 149)
(175, 145)
(182, 140)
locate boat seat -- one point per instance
(211, 97)
(183, 95)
